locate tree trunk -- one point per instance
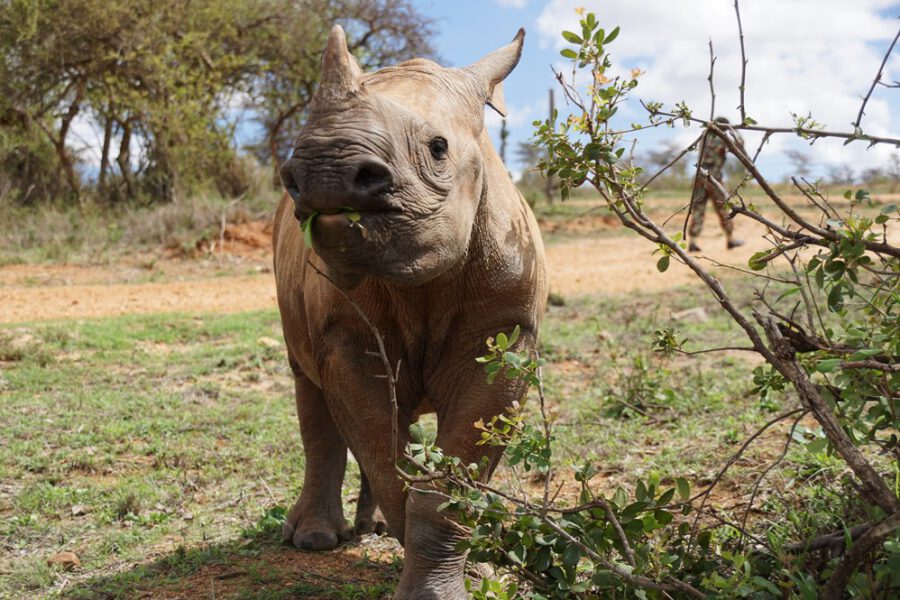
(124, 160)
(273, 156)
(104, 153)
(66, 164)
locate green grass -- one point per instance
(629, 411)
(157, 446)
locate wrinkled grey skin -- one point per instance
(445, 254)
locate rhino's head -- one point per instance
(390, 162)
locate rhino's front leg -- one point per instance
(369, 518)
(360, 405)
(433, 567)
(316, 522)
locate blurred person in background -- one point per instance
(708, 185)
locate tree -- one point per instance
(160, 78)
(841, 174)
(667, 153)
(800, 161)
(529, 155)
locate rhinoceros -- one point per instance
(414, 217)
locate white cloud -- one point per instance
(511, 3)
(803, 57)
(517, 115)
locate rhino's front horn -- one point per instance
(340, 71)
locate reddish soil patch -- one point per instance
(251, 238)
(312, 575)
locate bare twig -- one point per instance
(805, 132)
(611, 516)
(786, 362)
(825, 234)
(829, 540)
(720, 349)
(741, 106)
(672, 162)
(712, 89)
(871, 364)
(862, 108)
(390, 373)
(775, 463)
(545, 422)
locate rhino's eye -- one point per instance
(438, 147)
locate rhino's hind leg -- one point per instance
(368, 516)
(316, 522)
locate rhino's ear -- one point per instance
(340, 71)
(494, 68)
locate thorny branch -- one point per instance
(876, 81)
(742, 107)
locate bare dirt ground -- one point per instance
(236, 275)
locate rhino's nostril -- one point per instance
(372, 177)
(293, 190)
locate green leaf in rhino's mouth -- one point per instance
(306, 225)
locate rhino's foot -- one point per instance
(308, 530)
(370, 523)
(429, 591)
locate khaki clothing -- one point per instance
(703, 190)
(712, 158)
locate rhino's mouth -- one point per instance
(346, 229)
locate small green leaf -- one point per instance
(817, 445)
(612, 35)
(417, 432)
(571, 555)
(502, 341)
(353, 217)
(828, 365)
(662, 264)
(757, 262)
(684, 488)
(568, 53)
(767, 585)
(572, 37)
(836, 298)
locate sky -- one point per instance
(805, 56)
